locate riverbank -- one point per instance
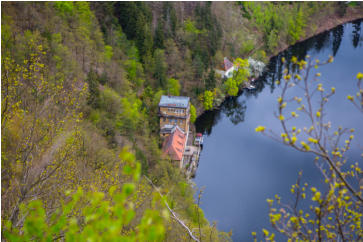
(240, 168)
(328, 23)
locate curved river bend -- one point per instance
(239, 168)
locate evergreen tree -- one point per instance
(135, 19)
(159, 35)
(210, 82)
(94, 92)
(356, 33)
(160, 68)
(337, 38)
(198, 67)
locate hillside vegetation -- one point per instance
(81, 84)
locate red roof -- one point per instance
(227, 64)
(174, 144)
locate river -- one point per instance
(239, 168)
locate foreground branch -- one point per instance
(174, 216)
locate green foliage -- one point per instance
(64, 7)
(189, 26)
(268, 18)
(170, 14)
(130, 118)
(94, 93)
(108, 52)
(62, 47)
(160, 68)
(247, 47)
(210, 41)
(84, 11)
(35, 110)
(135, 19)
(242, 73)
(231, 87)
(280, 23)
(198, 67)
(150, 102)
(110, 101)
(106, 124)
(94, 116)
(135, 72)
(261, 55)
(91, 215)
(296, 26)
(173, 87)
(273, 40)
(103, 79)
(159, 35)
(208, 98)
(193, 113)
(210, 82)
(6, 33)
(60, 50)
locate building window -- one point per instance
(178, 111)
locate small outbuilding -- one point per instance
(227, 68)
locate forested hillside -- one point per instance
(81, 84)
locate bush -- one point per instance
(247, 47)
(110, 102)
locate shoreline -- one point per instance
(330, 23)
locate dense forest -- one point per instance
(81, 84)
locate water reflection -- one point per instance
(235, 109)
(207, 120)
(240, 168)
(356, 35)
(338, 33)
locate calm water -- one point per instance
(239, 168)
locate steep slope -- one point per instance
(80, 87)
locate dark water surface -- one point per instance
(240, 168)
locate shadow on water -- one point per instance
(240, 168)
(235, 109)
(356, 35)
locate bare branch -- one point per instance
(174, 216)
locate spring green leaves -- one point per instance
(193, 113)
(92, 215)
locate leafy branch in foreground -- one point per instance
(173, 214)
(35, 111)
(92, 215)
(335, 211)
